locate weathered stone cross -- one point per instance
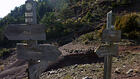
(109, 49)
(37, 55)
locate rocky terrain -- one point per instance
(125, 66)
(79, 62)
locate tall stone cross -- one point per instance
(109, 36)
(37, 55)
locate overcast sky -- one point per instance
(7, 5)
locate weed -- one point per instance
(68, 77)
(4, 52)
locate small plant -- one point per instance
(1, 67)
(68, 77)
(101, 30)
(122, 2)
(86, 38)
(4, 52)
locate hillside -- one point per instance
(125, 66)
(75, 27)
(78, 66)
(67, 18)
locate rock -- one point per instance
(129, 71)
(99, 66)
(117, 70)
(74, 66)
(74, 18)
(136, 71)
(124, 66)
(75, 51)
(53, 72)
(1, 67)
(94, 70)
(86, 78)
(71, 51)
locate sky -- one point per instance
(7, 5)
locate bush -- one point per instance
(87, 38)
(88, 17)
(129, 24)
(122, 2)
(66, 13)
(4, 53)
(101, 30)
(55, 31)
(55, 28)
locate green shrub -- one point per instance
(67, 76)
(56, 31)
(66, 13)
(122, 2)
(86, 38)
(88, 18)
(101, 30)
(129, 24)
(126, 2)
(4, 52)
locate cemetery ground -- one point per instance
(79, 61)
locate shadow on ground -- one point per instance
(73, 59)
